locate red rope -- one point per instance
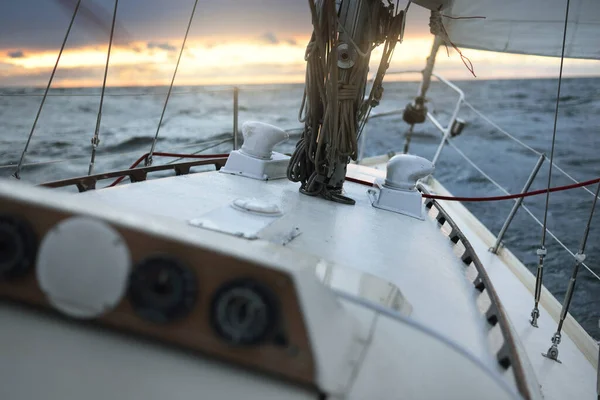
(494, 198)
(367, 183)
(159, 154)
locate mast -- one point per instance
(334, 106)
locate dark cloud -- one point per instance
(16, 54)
(162, 46)
(293, 42)
(97, 17)
(269, 37)
(41, 24)
(39, 78)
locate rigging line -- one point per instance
(562, 59)
(381, 74)
(524, 145)
(96, 137)
(560, 243)
(62, 47)
(148, 161)
(527, 210)
(589, 223)
(552, 352)
(492, 123)
(41, 163)
(512, 196)
(203, 149)
(482, 172)
(161, 154)
(558, 168)
(541, 252)
(129, 94)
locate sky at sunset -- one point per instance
(230, 42)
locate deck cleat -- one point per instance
(398, 193)
(256, 159)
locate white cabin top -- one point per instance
(392, 246)
(402, 309)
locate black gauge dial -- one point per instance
(243, 312)
(162, 289)
(17, 246)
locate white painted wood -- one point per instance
(358, 350)
(392, 246)
(575, 378)
(45, 358)
(398, 355)
(332, 333)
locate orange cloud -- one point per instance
(263, 60)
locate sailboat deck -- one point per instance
(409, 253)
(575, 376)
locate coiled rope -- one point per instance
(333, 108)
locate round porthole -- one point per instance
(162, 289)
(243, 312)
(18, 246)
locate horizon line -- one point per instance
(287, 83)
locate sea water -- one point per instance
(524, 108)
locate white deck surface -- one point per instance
(409, 253)
(576, 377)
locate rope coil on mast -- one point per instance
(333, 107)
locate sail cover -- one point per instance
(526, 27)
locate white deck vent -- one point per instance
(398, 191)
(83, 267)
(256, 159)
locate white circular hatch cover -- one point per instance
(83, 267)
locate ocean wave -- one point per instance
(131, 143)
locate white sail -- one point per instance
(526, 27)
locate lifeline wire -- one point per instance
(96, 138)
(62, 47)
(162, 114)
(542, 250)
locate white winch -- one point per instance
(398, 191)
(256, 159)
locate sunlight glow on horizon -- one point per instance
(249, 62)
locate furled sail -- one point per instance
(526, 27)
